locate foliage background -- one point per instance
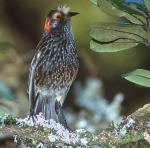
(21, 24)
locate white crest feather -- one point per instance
(65, 9)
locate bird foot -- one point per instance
(33, 117)
(69, 129)
(61, 117)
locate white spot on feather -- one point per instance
(58, 98)
(38, 55)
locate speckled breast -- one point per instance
(57, 71)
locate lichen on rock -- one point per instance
(45, 134)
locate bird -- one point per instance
(54, 66)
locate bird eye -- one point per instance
(58, 16)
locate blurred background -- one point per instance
(99, 94)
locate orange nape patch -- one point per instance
(47, 25)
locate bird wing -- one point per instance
(31, 85)
(33, 65)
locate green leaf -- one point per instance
(114, 46)
(109, 9)
(136, 19)
(108, 37)
(4, 45)
(94, 2)
(147, 4)
(127, 8)
(139, 76)
(107, 32)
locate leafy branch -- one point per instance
(122, 35)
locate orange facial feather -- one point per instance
(47, 25)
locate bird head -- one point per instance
(56, 19)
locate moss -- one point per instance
(9, 120)
(123, 134)
(34, 142)
(42, 133)
(89, 137)
(128, 139)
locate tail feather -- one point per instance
(51, 109)
(47, 107)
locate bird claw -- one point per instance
(61, 117)
(33, 117)
(69, 129)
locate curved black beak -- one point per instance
(73, 14)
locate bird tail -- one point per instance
(47, 107)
